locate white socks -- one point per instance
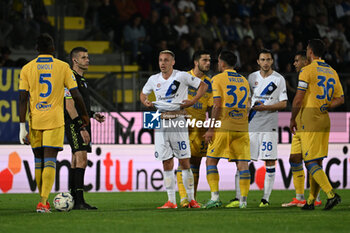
(238, 191)
(269, 181)
(169, 183)
(187, 178)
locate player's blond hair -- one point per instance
(167, 52)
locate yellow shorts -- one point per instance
(314, 145)
(234, 146)
(296, 144)
(47, 138)
(197, 142)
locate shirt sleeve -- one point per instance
(148, 88)
(69, 78)
(283, 90)
(303, 83)
(191, 80)
(23, 80)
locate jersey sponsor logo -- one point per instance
(235, 114)
(43, 106)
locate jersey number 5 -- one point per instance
(231, 92)
(326, 88)
(42, 80)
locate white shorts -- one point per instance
(172, 142)
(263, 145)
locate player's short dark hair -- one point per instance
(301, 53)
(317, 46)
(265, 51)
(228, 57)
(45, 44)
(77, 50)
(197, 55)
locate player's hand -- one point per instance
(186, 104)
(86, 120)
(85, 135)
(259, 106)
(98, 117)
(293, 126)
(148, 104)
(23, 134)
(209, 136)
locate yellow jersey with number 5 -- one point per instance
(321, 84)
(233, 89)
(45, 78)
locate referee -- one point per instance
(79, 59)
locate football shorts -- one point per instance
(172, 142)
(47, 138)
(230, 145)
(314, 145)
(263, 145)
(197, 142)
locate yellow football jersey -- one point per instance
(45, 78)
(234, 91)
(199, 109)
(321, 83)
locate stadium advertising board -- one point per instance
(119, 168)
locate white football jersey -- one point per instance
(269, 90)
(172, 91)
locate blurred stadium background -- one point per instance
(124, 37)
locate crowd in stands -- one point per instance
(142, 28)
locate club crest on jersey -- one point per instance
(158, 85)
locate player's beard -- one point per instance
(202, 69)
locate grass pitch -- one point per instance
(136, 212)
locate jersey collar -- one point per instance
(317, 60)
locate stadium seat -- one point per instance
(70, 23)
(94, 47)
